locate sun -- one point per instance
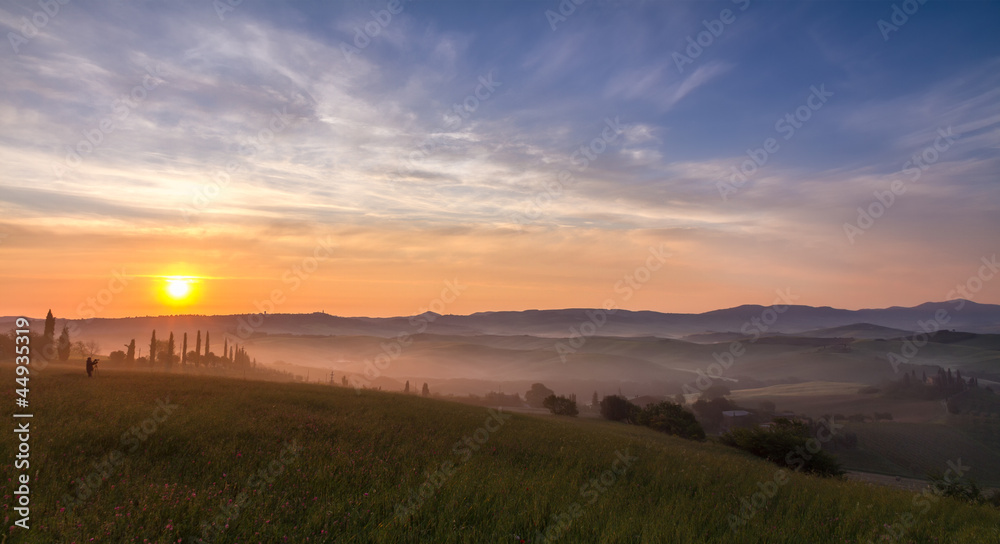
(178, 289)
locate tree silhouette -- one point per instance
(197, 349)
(152, 349)
(64, 345)
(130, 354)
(184, 350)
(407, 388)
(50, 328)
(426, 391)
(560, 406)
(207, 352)
(49, 336)
(537, 395)
(169, 359)
(594, 400)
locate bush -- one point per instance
(709, 412)
(963, 489)
(670, 418)
(784, 444)
(560, 406)
(618, 408)
(535, 397)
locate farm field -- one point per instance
(917, 449)
(817, 398)
(229, 460)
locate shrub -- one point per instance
(618, 408)
(670, 418)
(784, 444)
(560, 406)
(535, 397)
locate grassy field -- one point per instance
(917, 449)
(243, 461)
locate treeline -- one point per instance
(942, 385)
(665, 416)
(45, 344)
(165, 354)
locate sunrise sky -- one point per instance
(447, 147)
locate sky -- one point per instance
(381, 158)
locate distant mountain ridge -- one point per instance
(740, 321)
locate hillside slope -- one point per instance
(380, 467)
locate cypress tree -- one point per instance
(64, 345)
(50, 328)
(152, 349)
(197, 348)
(170, 352)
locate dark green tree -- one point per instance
(560, 406)
(670, 418)
(784, 443)
(618, 408)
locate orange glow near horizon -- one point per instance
(399, 271)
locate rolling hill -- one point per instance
(253, 461)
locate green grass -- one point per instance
(915, 450)
(362, 455)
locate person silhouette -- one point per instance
(90, 367)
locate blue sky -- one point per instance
(344, 157)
